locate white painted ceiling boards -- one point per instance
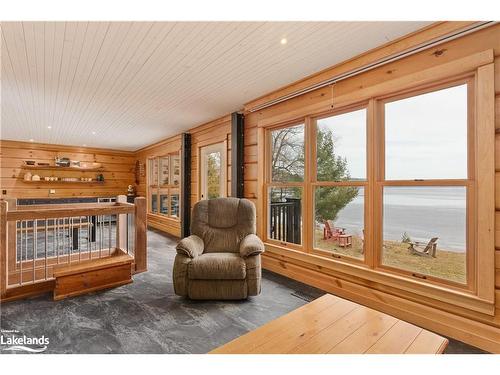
(125, 85)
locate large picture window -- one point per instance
(388, 185)
(425, 184)
(164, 185)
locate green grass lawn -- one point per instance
(447, 265)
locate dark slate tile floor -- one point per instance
(147, 317)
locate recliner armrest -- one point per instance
(251, 245)
(191, 246)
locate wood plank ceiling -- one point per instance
(125, 85)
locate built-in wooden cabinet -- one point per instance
(164, 188)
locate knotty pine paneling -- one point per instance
(118, 171)
(497, 98)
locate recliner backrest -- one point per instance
(223, 222)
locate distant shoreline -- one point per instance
(422, 213)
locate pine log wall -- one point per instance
(391, 300)
(118, 171)
(472, 327)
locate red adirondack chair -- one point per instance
(330, 232)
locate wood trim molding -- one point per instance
(436, 30)
(485, 161)
(141, 226)
(423, 77)
(261, 176)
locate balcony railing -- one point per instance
(285, 220)
(34, 239)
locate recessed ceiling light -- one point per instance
(283, 41)
(49, 127)
(84, 145)
(93, 133)
(32, 140)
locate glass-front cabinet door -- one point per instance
(175, 167)
(153, 185)
(164, 201)
(164, 179)
(154, 203)
(174, 203)
(164, 176)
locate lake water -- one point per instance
(422, 213)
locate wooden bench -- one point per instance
(334, 325)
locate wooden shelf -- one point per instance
(62, 182)
(54, 167)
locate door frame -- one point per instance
(201, 178)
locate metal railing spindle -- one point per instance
(35, 242)
(46, 240)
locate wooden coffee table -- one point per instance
(334, 325)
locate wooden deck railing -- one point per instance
(36, 238)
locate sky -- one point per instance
(349, 132)
(425, 136)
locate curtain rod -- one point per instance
(378, 63)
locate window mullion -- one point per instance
(308, 214)
(377, 177)
(370, 194)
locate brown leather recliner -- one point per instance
(221, 258)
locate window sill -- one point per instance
(432, 294)
(163, 217)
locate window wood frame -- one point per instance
(468, 183)
(269, 183)
(366, 183)
(224, 166)
(480, 298)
